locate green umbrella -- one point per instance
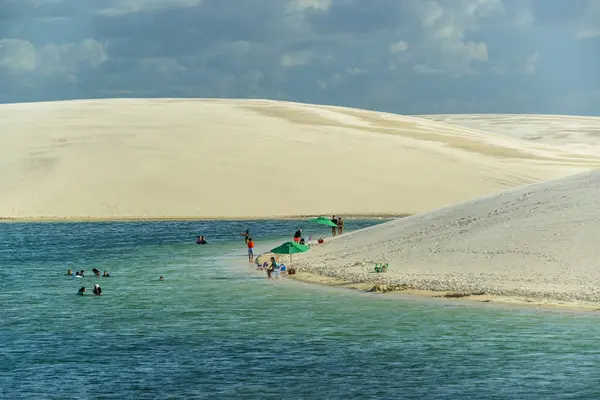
(290, 248)
(323, 221)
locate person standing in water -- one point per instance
(334, 228)
(246, 235)
(340, 225)
(250, 245)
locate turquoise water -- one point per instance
(215, 328)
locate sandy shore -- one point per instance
(468, 297)
(253, 159)
(536, 242)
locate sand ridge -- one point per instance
(575, 133)
(224, 158)
(531, 242)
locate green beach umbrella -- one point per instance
(323, 221)
(290, 248)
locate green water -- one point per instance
(216, 328)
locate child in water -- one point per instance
(250, 245)
(81, 291)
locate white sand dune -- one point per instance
(154, 158)
(574, 133)
(539, 241)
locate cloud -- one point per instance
(21, 56)
(403, 56)
(398, 47)
(122, 7)
(296, 59)
(530, 64)
(589, 27)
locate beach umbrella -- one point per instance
(290, 248)
(324, 221)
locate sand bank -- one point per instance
(450, 296)
(536, 242)
(252, 159)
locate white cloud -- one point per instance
(21, 56)
(530, 64)
(589, 26)
(446, 26)
(17, 55)
(296, 59)
(398, 47)
(163, 65)
(426, 69)
(123, 7)
(302, 5)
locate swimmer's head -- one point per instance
(161, 279)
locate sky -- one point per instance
(402, 56)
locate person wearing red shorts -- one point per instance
(298, 236)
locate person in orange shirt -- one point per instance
(250, 250)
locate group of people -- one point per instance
(273, 266)
(339, 228)
(201, 240)
(97, 290)
(80, 274)
(249, 244)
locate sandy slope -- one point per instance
(249, 158)
(536, 241)
(579, 134)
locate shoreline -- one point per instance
(299, 217)
(466, 298)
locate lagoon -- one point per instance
(216, 328)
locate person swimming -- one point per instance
(70, 272)
(96, 272)
(161, 278)
(97, 290)
(201, 240)
(106, 274)
(81, 291)
(78, 274)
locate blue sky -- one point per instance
(404, 56)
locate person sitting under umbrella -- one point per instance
(272, 267)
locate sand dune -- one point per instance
(538, 241)
(574, 133)
(250, 158)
